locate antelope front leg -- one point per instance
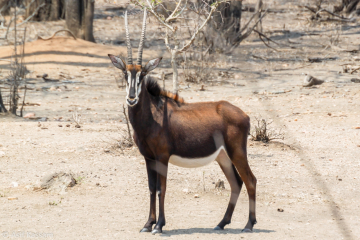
(152, 179)
(161, 168)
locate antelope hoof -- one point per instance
(145, 230)
(247, 230)
(155, 231)
(218, 228)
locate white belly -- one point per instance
(194, 162)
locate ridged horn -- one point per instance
(141, 44)
(129, 50)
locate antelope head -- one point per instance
(134, 73)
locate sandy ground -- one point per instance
(312, 174)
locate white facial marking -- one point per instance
(129, 77)
(195, 162)
(139, 89)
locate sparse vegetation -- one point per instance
(263, 132)
(76, 118)
(16, 77)
(79, 179)
(54, 203)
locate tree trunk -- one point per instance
(50, 12)
(224, 27)
(173, 53)
(73, 17)
(79, 18)
(55, 12)
(87, 23)
(2, 107)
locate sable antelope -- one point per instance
(166, 129)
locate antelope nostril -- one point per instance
(131, 102)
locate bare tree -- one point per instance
(17, 73)
(173, 35)
(79, 18)
(50, 10)
(224, 32)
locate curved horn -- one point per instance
(140, 51)
(129, 50)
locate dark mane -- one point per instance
(155, 90)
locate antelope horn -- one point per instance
(141, 45)
(129, 50)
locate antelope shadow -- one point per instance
(190, 231)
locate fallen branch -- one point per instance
(127, 123)
(355, 70)
(269, 39)
(331, 13)
(63, 30)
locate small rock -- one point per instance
(67, 125)
(196, 196)
(356, 127)
(14, 184)
(280, 210)
(107, 150)
(12, 198)
(60, 125)
(2, 153)
(310, 81)
(52, 88)
(108, 18)
(355, 80)
(29, 115)
(185, 190)
(58, 182)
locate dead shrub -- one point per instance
(262, 132)
(125, 140)
(200, 71)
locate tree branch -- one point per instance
(173, 13)
(151, 10)
(8, 30)
(213, 8)
(249, 31)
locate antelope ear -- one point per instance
(118, 62)
(151, 65)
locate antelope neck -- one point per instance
(140, 115)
